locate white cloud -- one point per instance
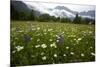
(75, 7)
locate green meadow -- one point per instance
(40, 43)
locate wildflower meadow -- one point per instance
(40, 43)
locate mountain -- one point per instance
(20, 6)
(66, 9)
(62, 11)
(71, 13)
(90, 13)
(58, 11)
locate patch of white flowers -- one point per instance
(64, 55)
(72, 53)
(63, 32)
(53, 45)
(31, 38)
(50, 29)
(82, 55)
(57, 36)
(43, 45)
(91, 47)
(44, 58)
(38, 28)
(19, 48)
(55, 55)
(67, 47)
(72, 36)
(37, 46)
(93, 54)
(57, 40)
(79, 39)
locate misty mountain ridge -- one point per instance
(62, 11)
(58, 11)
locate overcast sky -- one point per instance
(75, 7)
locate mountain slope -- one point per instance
(20, 6)
(88, 14)
(58, 11)
(65, 8)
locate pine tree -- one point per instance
(77, 19)
(32, 15)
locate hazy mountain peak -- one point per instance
(62, 8)
(57, 11)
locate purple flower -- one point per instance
(27, 38)
(17, 29)
(60, 39)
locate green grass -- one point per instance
(34, 43)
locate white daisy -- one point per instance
(72, 53)
(63, 32)
(93, 54)
(67, 47)
(37, 46)
(91, 47)
(53, 45)
(82, 55)
(31, 38)
(38, 28)
(56, 35)
(43, 45)
(79, 39)
(44, 58)
(64, 55)
(55, 55)
(57, 40)
(19, 48)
